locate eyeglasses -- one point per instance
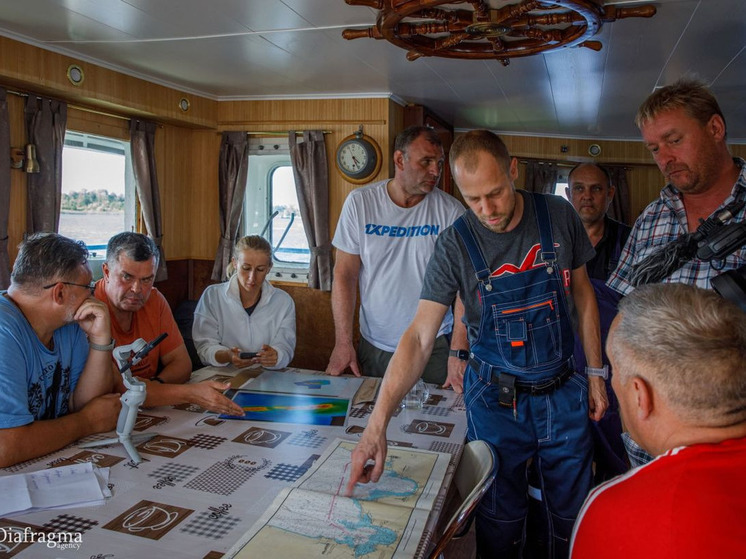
(90, 286)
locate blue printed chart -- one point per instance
(315, 519)
(299, 383)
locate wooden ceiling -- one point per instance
(286, 49)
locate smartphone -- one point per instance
(248, 354)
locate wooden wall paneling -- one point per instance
(43, 72)
(200, 278)
(204, 221)
(176, 288)
(98, 124)
(612, 151)
(396, 117)
(174, 175)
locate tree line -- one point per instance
(92, 201)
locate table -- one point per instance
(205, 480)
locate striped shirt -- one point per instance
(663, 221)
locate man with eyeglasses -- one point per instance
(55, 352)
(139, 310)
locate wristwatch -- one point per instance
(602, 372)
(459, 353)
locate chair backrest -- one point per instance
(473, 478)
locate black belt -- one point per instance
(545, 386)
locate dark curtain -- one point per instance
(620, 205)
(142, 145)
(233, 167)
(541, 176)
(45, 123)
(312, 185)
(4, 190)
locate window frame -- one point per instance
(76, 139)
(262, 166)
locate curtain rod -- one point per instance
(561, 163)
(78, 107)
(279, 133)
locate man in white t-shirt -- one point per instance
(384, 239)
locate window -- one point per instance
(559, 189)
(98, 191)
(561, 184)
(271, 208)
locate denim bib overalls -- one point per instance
(524, 351)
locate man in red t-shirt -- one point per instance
(679, 358)
(138, 310)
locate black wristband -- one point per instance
(157, 379)
(459, 353)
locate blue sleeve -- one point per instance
(14, 382)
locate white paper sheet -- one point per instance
(65, 486)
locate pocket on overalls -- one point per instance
(477, 420)
(580, 382)
(474, 384)
(528, 331)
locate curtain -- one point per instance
(620, 205)
(45, 123)
(233, 167)
(142, 145)
(541, 176)
(312, 185)
(4, 190)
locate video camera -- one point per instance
(719, 241)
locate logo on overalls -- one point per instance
(531, 261)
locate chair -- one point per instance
(473, 478)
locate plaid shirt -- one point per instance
(663, 221)
(636, 454)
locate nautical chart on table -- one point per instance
(315, 519)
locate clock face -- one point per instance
(358, 158)
(353, 158)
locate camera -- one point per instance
(731, 285)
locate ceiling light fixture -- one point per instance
(437, 28)
(75, 74)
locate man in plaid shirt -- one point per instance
(684, 128)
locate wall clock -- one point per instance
(358, 158)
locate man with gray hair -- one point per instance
(55, 352)
(139, 310)
(679, 357)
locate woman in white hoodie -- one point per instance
(246, 314)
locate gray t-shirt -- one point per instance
(450, 269)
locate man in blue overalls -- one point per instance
(518, 261)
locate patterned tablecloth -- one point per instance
(205, 480)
